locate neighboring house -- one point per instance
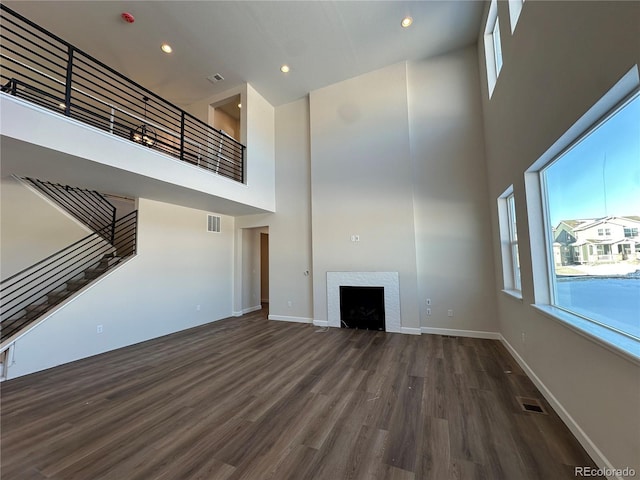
(604, 240)
(563, 238)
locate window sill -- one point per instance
(517, 294)
(622, 345)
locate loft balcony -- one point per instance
(58, 99)
(41, 68)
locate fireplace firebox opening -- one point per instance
(362, 308)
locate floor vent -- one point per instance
(213, 223)
(532, 405)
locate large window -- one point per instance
(591, 190)
(509, 241)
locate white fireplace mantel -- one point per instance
(388, 280)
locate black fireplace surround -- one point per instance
(362, 308)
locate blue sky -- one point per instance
(608, 157)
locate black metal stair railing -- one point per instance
(88, 206)
(41, 68)
(35, 290)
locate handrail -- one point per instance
(88, 206)
(75, 84)
(40, 287)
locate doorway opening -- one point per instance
(255, 268)
(225, 116)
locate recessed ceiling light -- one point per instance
(166, 48)
(62, 106)
(285, 69)
(406, 22)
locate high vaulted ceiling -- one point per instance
(247, 41)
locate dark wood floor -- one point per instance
(248, 398)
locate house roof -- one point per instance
(614, 220)
(573, 224)
(323, 42)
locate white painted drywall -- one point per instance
(561, 58)
(452, 214)
(290, 226)
(361, 184)
(31, 227)
(257, 124)
(260, 153)
(178, 267)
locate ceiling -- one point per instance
(323, 42)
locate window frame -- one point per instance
(497, 46)
(540, 235)
(515, 9)
(507, 220)
(494, 61)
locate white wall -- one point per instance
(31, 228)
(178, 267)
(403, 167)
(290, 226)
(257, 129)
(260, 153)
(361, 183)
(562, 57)
(452, 214)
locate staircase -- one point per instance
(36, 290)
(29, 313)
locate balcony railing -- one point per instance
(41, 68)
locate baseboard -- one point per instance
(591, 448)
(410, 330)
(235, 313)
(461, 333)
(283, 318)
(251, 309)
(321, 323)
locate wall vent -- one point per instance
(213, 223)
(215, 78)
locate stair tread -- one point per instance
(30, 313)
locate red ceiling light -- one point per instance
(127, 17)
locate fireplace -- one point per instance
(387, 281)
(362, 307)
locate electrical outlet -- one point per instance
(523, 337)
(99, 329)
(197, 308)
(428, 311)
(428, 301)
(289, 303)
(449, 313)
